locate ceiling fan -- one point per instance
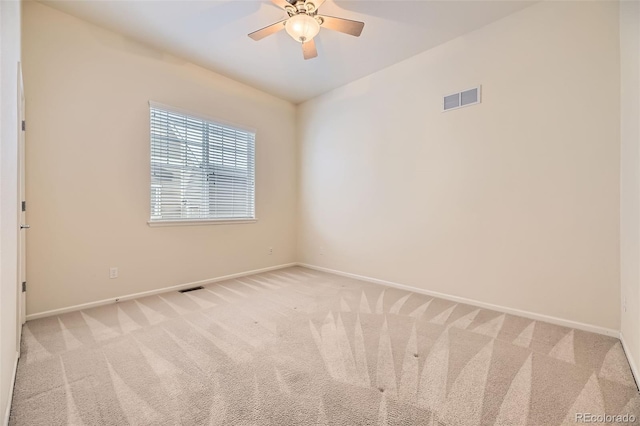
(304, 23)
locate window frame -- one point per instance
(199, 221)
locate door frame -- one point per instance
(21, 295)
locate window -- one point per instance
(200, 170)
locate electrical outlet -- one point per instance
(113, 272)
(269, 251)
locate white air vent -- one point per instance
(461, 99)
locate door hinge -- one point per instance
(24, 286)
(24, 125)
(24, 206)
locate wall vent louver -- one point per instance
(461, 99)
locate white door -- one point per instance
(22, 269)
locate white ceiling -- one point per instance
(213, 34)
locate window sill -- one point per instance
(199, 222)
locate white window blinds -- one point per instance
(200, 169)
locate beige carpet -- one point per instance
(300, 347)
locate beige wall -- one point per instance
(513, 202)
(630, 176)
(87, 93)
(9, 58)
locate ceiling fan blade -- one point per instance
(309, 49)
(346, 26)
(281, 3)
(267, 31)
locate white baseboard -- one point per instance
(632, 363)
(512, 311)
(7, 411)
(153, 292)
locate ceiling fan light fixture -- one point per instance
(302, 27)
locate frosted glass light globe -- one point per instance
(302, 27)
